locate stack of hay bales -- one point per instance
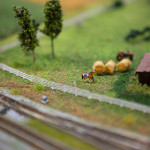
(99, 67)
(110, 67)
(124, 65)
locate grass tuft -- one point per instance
(15, 91)
(128, 120)
(39, 87)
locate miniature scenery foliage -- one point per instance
(27, 35)
(53, 20)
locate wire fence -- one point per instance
(77, 91)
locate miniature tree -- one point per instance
(27, 35)
(53, 21)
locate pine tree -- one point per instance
(27, 35)
(53, 21)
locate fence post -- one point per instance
(121, 105)
(64, 88)
(89, 95)
(132, 107)
(52, 86)
(75, 88)
(99, 98)
(3, 67)
(110, 102)
(145, 111)
(31, 76)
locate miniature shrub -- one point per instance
(137, 87)
(15, 91)
(37, 68)
(16, 64)
(111, 94)
(39, 87)
(128, 120)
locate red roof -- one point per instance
(145, 64)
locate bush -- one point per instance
(16, 64)
(39, 87)
(15, 91)
(137, 87)
(37, 68)
(128, 120)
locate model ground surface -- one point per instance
(106, 114)
(77, 48)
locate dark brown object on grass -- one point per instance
(143, 70)
(122, 55)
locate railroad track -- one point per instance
(31, 137)
(96, 136)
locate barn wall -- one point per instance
(144, 77)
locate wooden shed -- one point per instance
(143, 70)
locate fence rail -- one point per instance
(77, 91)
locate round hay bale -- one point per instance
(124, 65)
(99, 67)
(110, 67)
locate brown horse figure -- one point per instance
(90, 76)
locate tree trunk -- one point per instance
(52, 47)
(33, 54)
(27, 53)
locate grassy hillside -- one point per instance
(77, 49)
(8, 23)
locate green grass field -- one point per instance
(8, 23)
(77, 49)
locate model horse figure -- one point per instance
(90, 76)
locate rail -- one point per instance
(99, 137)
(33, 138)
